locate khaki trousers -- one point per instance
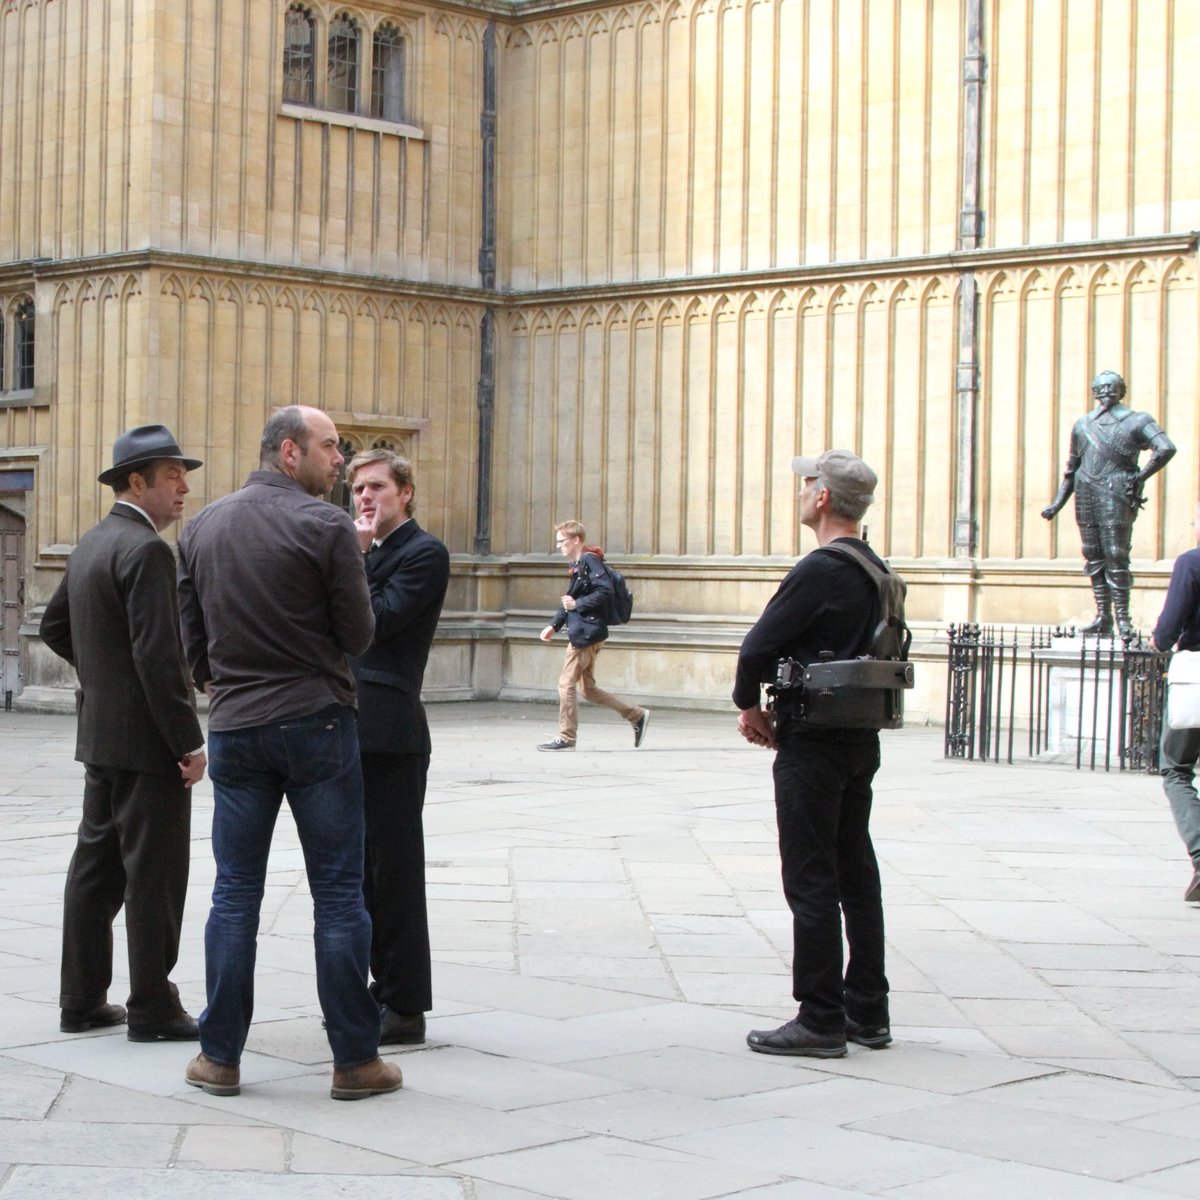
(579, 671)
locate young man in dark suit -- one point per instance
(114, 619)
(408, 570)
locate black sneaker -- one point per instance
(874, 1037)
(1193, 892)
(557, 744)
(639, 727)
(797, 1039)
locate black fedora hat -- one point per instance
(136, 447)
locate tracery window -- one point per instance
(23, 346)
(340, 494)
(344, 51)
(299, 56)
(387, 74)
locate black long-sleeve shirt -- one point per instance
(1179, 621)
(825, 603)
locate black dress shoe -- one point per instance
(797, 1039)
(874, 1037)
(182, 1028)
(401, 1029)
(76, 1020)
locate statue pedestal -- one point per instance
(1084, 710)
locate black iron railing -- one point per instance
(1047, 694)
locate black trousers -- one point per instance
(823, 806)
(132, 851)
(394, 879)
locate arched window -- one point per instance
(341, 494)
(23, 346)
(1, 352)
(387, 74)
(299, 55)
(344, 50)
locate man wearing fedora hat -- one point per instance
(114, 618)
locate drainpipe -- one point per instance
(970, 234)
(485, 391)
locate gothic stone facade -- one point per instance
(612, 261)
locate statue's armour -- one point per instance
(1105, 472)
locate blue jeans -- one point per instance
(313, 760)
(1177, 760)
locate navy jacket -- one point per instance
(591, 589)
(1180, 619)
(408, 576)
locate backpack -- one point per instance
(620, 606)
(865, 692)
(892, 636)
(620, 603)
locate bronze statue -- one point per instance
(1102, 471)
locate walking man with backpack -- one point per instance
(586, 611)
(828, 607)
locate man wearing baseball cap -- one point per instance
(114, 619)
(826, 605)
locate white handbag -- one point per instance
(1183, 690)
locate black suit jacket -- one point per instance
(407, 576)
(114, 618)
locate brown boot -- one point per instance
(216, 1079)
(370, 1079)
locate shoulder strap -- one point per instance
(1108, 453)
(857, 556)
(584, 572)
(885, 580)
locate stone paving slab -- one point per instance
(600, 953)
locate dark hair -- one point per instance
(400, 468)
(120, 483)
(284, 425)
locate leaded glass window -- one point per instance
(387, 74)
(299, 56)
(23, 346)
(344, 48)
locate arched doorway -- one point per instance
(12, 596)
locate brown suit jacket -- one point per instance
(114, 618)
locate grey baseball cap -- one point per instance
(845, 475)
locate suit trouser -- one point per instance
(579, 670)
(823, 806)
(394, 879)
(132, 850)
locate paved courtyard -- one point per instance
(607, 925)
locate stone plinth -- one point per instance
(1083, 699)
